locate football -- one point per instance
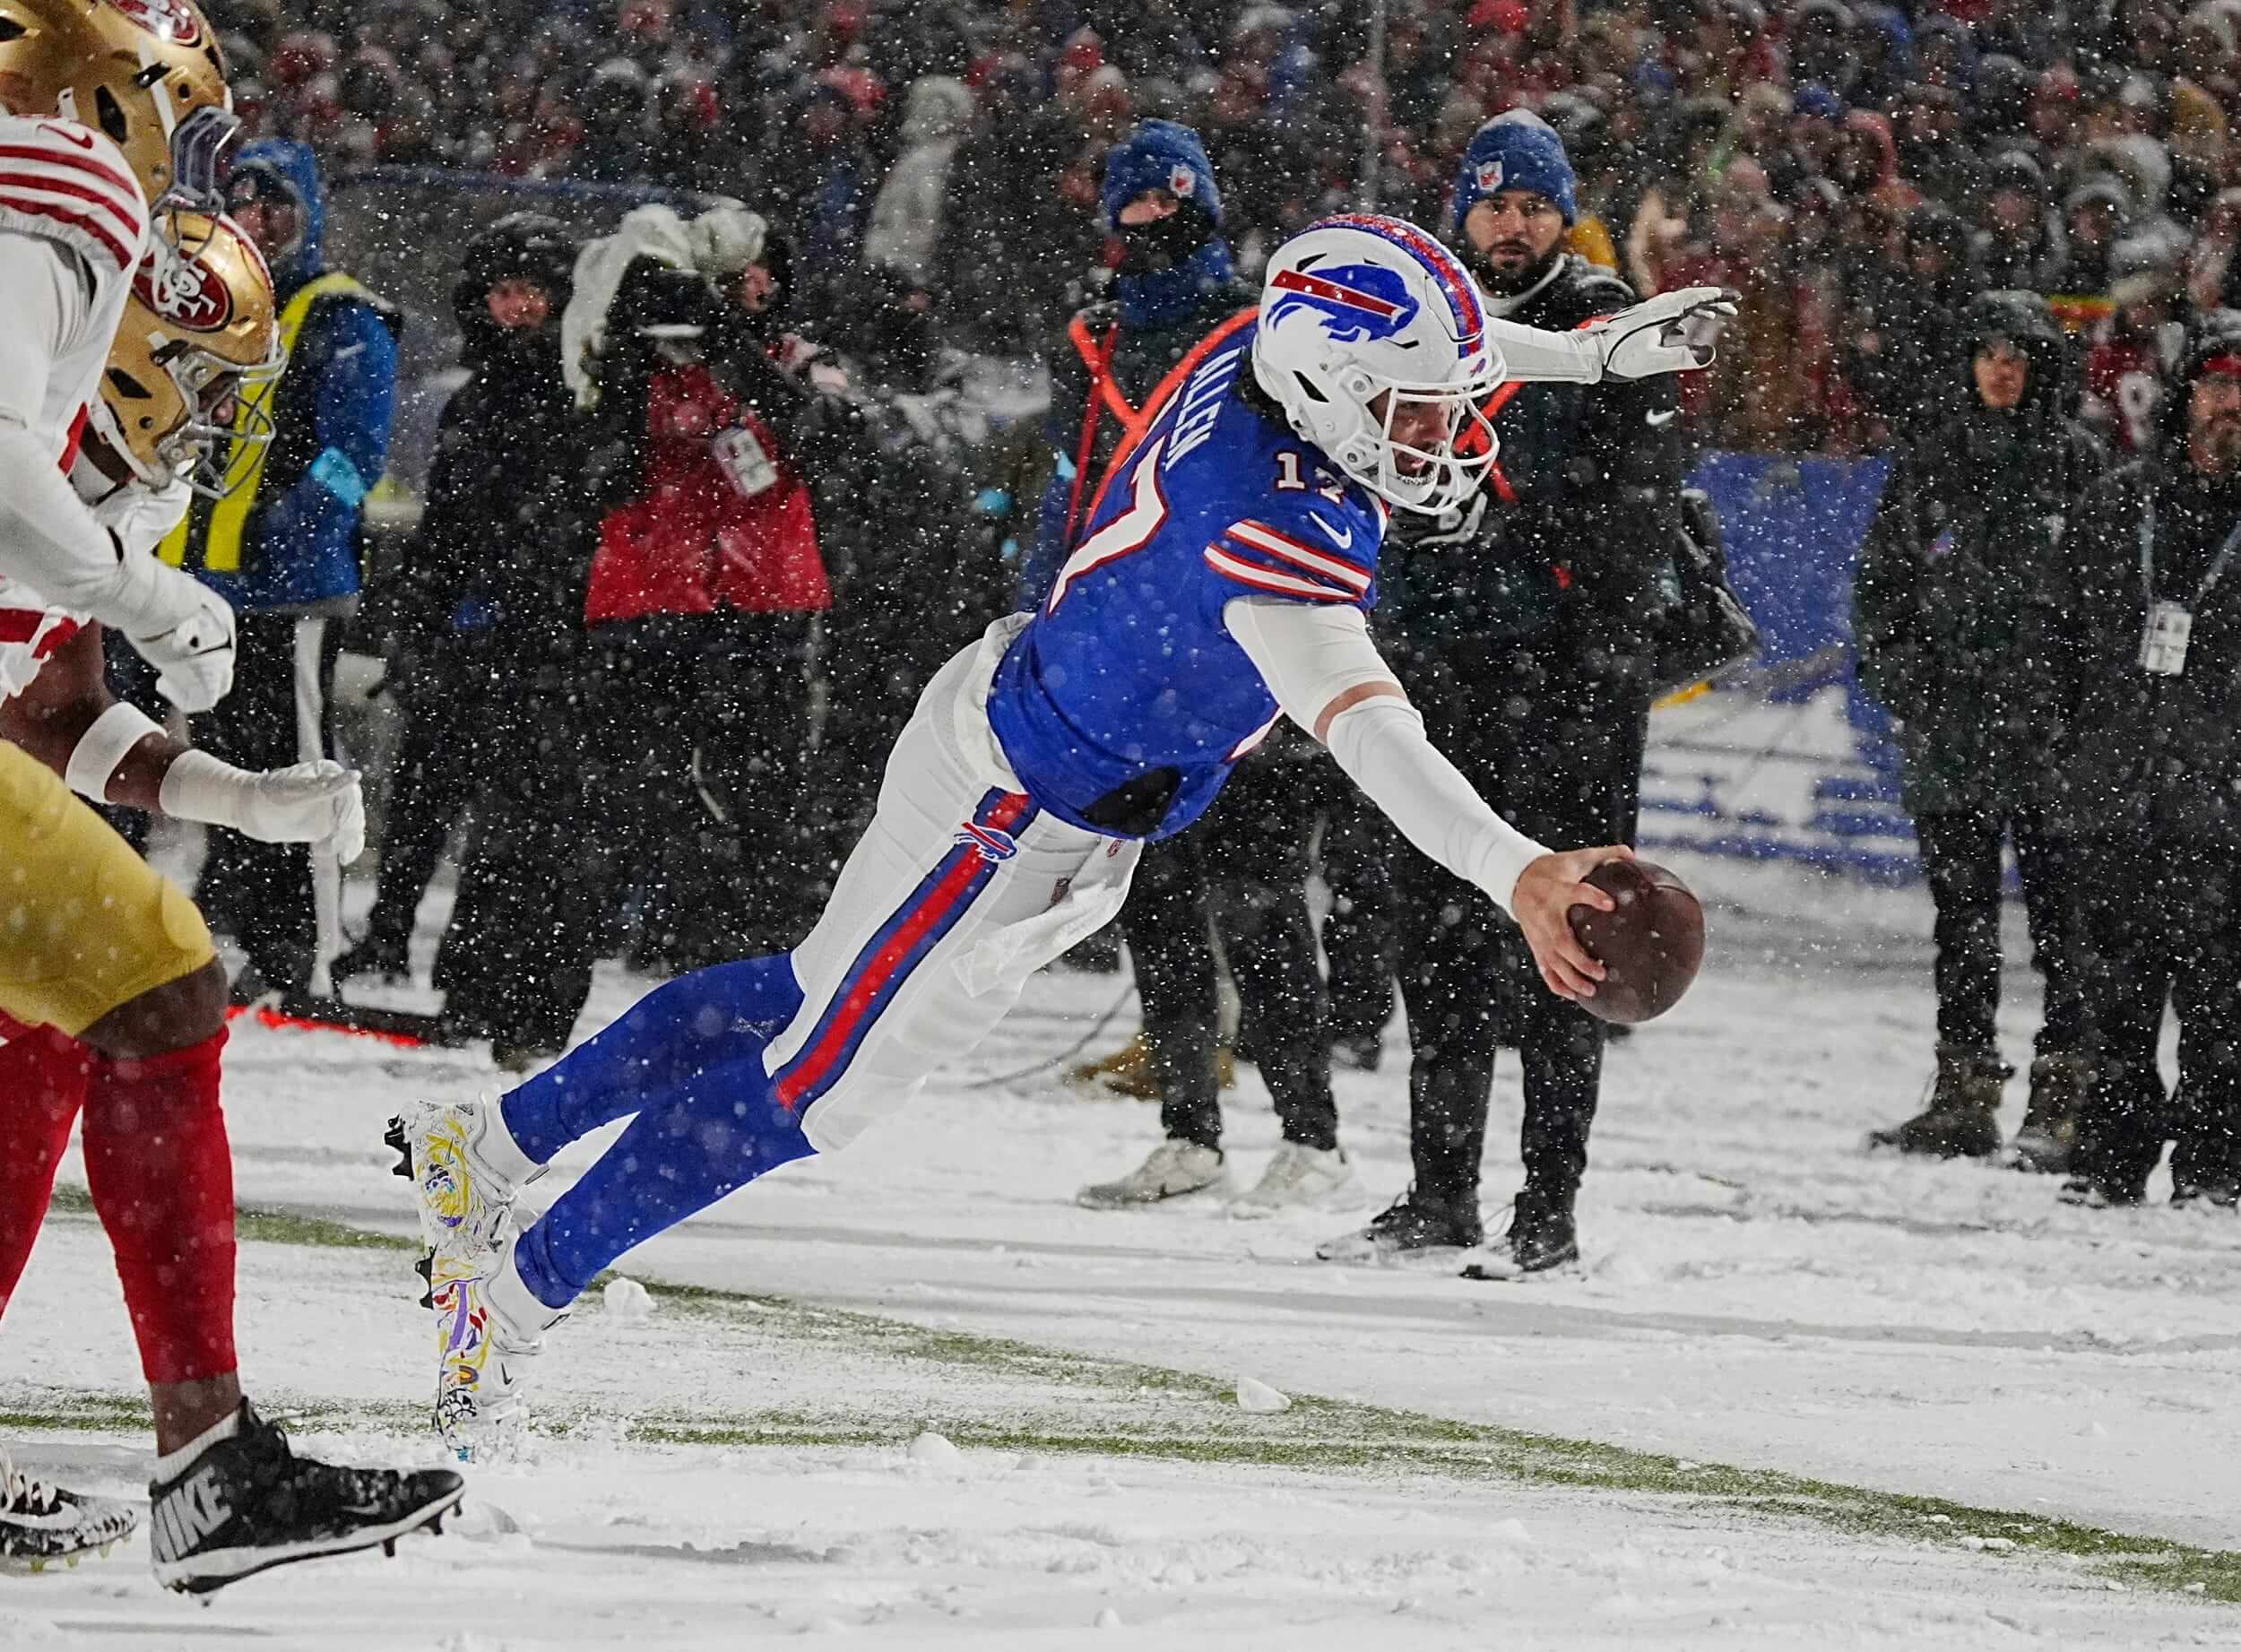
(1652, 945)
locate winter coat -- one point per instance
(1575, 524)
(2139, 751)
(500, 551)
(1953, 575)
(694, 539)
(331, 417)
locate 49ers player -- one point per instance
(108, 982)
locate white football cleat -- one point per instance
(1175, 1169)
(466, 1172)
(41, 1524)
(1298, 1178)
(489, 1327)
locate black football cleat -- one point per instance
(249, 1503)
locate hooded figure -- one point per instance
(2149, 676)
(285, 548)
(1954, 641)
(2019, 241)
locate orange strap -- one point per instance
(1133, 430)
(1098, 358)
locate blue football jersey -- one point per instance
(1126, 677)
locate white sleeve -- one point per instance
(1309, 654)
(48, 538)
(1534, 355)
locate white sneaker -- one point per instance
(1175, 1169)
(489, 1327)
(466, 1172)
(1298, 1178)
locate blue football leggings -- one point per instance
(687, 1058)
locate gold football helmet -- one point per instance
(142, 71)
(186, 392)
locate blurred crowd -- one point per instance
(1857, 172)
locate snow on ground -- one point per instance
(1759, 1293)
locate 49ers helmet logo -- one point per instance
(170, 20)
(186, 292)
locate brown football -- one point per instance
(1652, 946)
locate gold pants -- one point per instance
(85, 924)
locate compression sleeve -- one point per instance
(1534, 355)
(1309, 656)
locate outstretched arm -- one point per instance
(113, 753)
(1328, 677)
(1671, 333)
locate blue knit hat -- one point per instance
(1516, 151)
(1160, 154)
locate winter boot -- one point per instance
(247, 1502)
(1540, 1238)
(1962, 1119)
(1175, 1169)
(381, 956)
(2050, 1127)
(1410, 1228)
(42, 1524)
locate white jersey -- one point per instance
(68, 184)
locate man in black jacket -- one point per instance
(471, 608)
(2150, 675)
(1945, 601)
(1521, 632)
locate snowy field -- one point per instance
(915, 1397)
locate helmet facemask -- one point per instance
(1357, 433)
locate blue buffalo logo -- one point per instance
(992, 845)
(1356, 302)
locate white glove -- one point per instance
(317, 803)
(1669, 334)
(179, 625)
(141, 516)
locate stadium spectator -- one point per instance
(2148, 656)
(285, 551)
(1953, 643)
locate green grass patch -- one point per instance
(1094, 1405)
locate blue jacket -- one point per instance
(330, 413)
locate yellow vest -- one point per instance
(220, 527)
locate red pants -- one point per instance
(160, 1174)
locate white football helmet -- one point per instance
(1363, 320)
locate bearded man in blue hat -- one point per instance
(1520, 626)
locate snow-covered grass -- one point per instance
(1799, 1395)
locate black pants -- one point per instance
(1560, 756)
(260, 893)
(1961, 858)
(701, 728)
(446, 748)
(1359, 945)
(1241, 872)
(527, 927)
(2159, 911)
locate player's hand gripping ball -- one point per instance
(1652, 945)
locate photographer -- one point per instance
(703, 584)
